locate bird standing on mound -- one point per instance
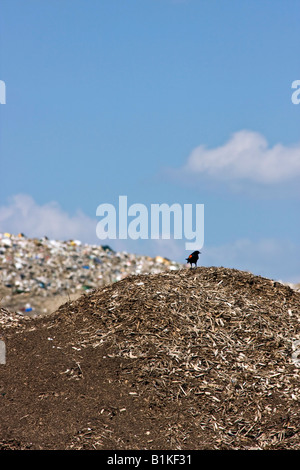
(193, 258)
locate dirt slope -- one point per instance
(190, 359)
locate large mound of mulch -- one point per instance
(200, 358)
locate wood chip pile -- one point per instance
(206, 358)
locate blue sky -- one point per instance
(164, 101)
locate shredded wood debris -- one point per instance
(209, 355)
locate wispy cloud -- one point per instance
(23, 214)
(246, 156)
(268, 257)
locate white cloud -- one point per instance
(23, 214)
(246, 155)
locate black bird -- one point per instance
(193, 258)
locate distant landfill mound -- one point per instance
(203, 358)
(39, 274)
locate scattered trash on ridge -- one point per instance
(38, 274)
